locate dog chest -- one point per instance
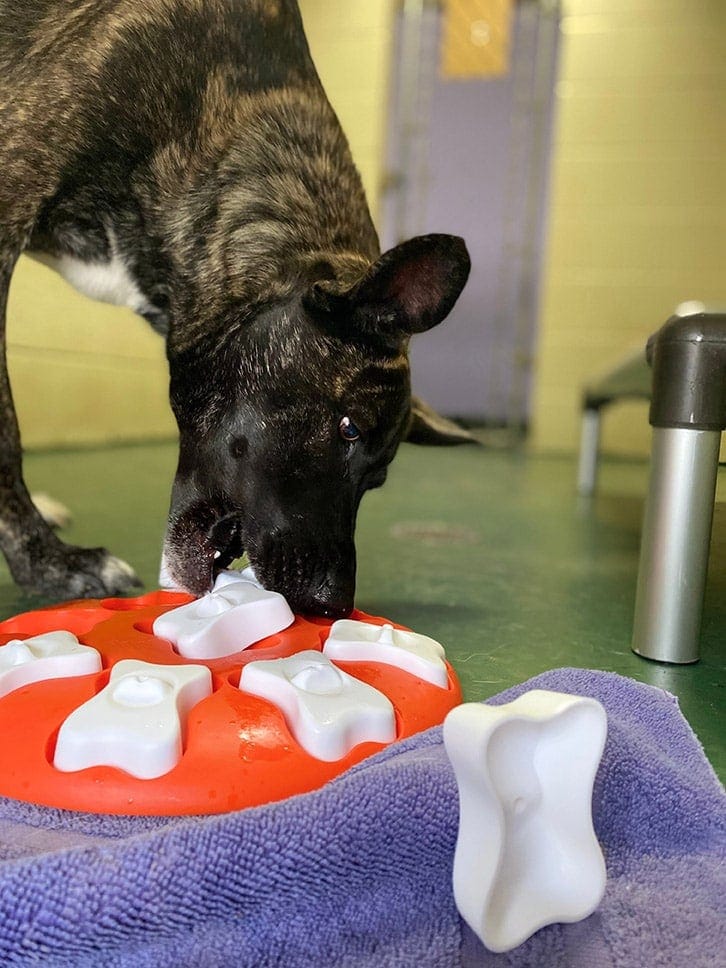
(108, 281)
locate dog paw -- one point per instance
(118, 576)
(51, 511)
(70, 572)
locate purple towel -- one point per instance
(359, 873)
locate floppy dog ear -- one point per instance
(429, 427)
(410, 289)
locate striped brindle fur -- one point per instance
(180, 157)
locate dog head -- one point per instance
(292, 415)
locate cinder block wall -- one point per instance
(638, 202)
(84, 372)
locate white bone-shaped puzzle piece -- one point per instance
(327, 711)
(230, 576)
(234, 615)
(52, 655)
(136, 722)
(526, 853)
(365, 642)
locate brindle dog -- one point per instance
(180, 156)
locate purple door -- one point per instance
(470, 157)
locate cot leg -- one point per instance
(675, 544)
(589, 451)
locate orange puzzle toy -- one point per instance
(161, 704)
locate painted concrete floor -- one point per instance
(488, 551)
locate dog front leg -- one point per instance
(38, 560)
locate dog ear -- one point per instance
(429, 427)
(410, 289)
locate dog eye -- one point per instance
(348, 430)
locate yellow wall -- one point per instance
(351, 42)
(637, 221)
(85, 372)
(82, 371)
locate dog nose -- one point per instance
(315, 579)
(328, 609)
(333, 596)
(330, 599)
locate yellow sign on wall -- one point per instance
(476, 38)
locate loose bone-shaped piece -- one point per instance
(234, 615)
(327, 711)
(52, 655)
(136, 722)
(526, 853)
(351, 641)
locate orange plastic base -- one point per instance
(238, 751)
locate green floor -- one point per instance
(488, 551)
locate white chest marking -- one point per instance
(109, 282)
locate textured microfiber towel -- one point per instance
(359, 872)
